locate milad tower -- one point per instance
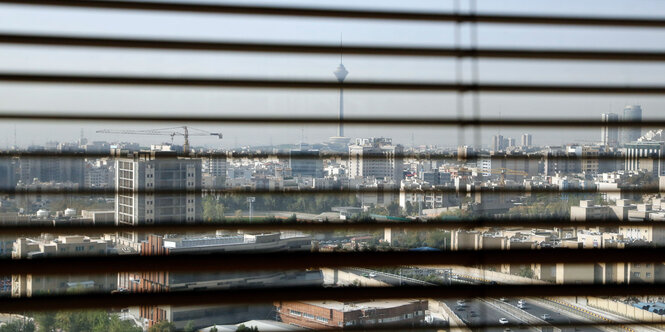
(340, 74)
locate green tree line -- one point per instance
(83, 321)
(215, 208)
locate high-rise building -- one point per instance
(464, 153)
(609, 135)
(52, 169)
(527, 140)
(376, 157)
(154, 187)
(498, 143)
(213, 166)
(305, 162)
(632, 133)
(510, 142)
(7, 174)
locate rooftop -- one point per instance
(352, 306)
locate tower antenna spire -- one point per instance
(341, 47)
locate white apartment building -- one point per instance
(376, 157)
(71, 245)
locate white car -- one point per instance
(521, 305)
(546, 317)
(503, 321)
(461, 303)
(372, 275)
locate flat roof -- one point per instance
(352, 306)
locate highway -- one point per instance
(476, 312)
(473, 313)
(388, 278)
(558, 316)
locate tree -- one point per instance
(394, 209)
(213, 329)
(437, 239)
(118, 325)
(18, 326)
(189, 327)
(82, 321)
(380, 210)
(46, 321)
(526, 272)
(162, 326)
(243, 328)
(410, 209)
(220, 211)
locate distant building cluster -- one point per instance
(124, 184)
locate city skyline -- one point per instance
(126, 100)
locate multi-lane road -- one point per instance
(479, 313)
(558, 318)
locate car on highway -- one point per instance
(503, 299)
(546, 317)
(372, 275)
(503, 321)
(521, 305)
(461, 303)
(366, 275)
(473, 313)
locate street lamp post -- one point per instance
(250, 200)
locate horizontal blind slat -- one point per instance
(348, 13)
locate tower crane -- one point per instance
(184, 131)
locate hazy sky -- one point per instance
(114, 99)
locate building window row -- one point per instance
(308, 315)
